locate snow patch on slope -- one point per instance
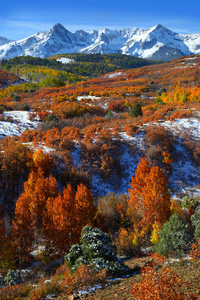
(180, 126)
(65, 60)
(114, 75)
(79, 98)
(184, 173)
(20, 123)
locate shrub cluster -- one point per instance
(96, 250)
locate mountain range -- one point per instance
(157, 42)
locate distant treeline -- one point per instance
(90, 65)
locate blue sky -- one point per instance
(19, 19)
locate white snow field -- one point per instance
(19, 124)
(180, 126)
(65, 60)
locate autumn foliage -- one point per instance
(65, 217)
(42, 162)
(41, 212)
(85, 276)
(46, 195)
(158, 284)
(149, 199)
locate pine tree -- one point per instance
(136, 110)
(174, 238)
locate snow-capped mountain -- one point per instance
(156, 42)
(4, 41)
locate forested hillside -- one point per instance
(90, 65)
(118, 151)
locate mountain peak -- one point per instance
(157, 42)
(58, 27)
(158, 27)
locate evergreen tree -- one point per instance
(174, 238)
(136, 110)
(96, 250)
(196, 223)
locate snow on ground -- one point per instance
(114, 75)
(20, 123)
(129, 160)
(129, 157)
(76, 155)
(79, 98)
(185, 174)
(99, 186)
(65, 60)
(93, 98)
(38, 250)
(136, 139)
(41, 146)
(90, 289)
(181, 126)
(188, 58)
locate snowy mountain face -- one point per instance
(157, 43)
(4, 41)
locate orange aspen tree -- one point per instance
(22, 230)
(37, 190)
(30, 210)
(42, 161)
(85, 209)
(149, 199)
(60, 222)
(65, 217)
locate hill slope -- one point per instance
(86, 104)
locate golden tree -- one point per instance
(85, 209)
(30, 210)
(149, 199)
(65, 217)
(42, 161)
(60, 222)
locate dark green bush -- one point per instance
(17, 98)
(136, 110)
(196, 223)
(11, 278)
(96, 250)
(26, 107)
(160, 91)
(109, 114)
(174, 238)
(51, 118)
